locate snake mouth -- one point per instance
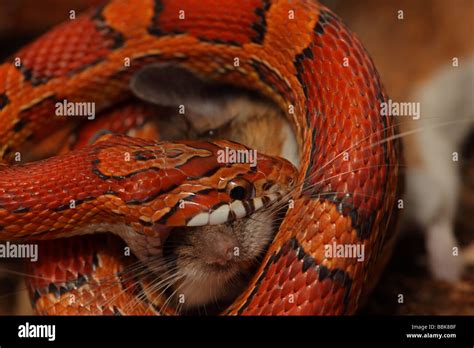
(237, 209)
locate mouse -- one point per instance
(211, 265)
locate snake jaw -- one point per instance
(235, 210)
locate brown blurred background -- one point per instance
(407, 53)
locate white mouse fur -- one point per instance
(433, 184)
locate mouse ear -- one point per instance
(167, 85)
(173, 86)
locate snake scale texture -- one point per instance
(298, 54)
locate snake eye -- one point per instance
(240, 189)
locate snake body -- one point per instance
(297, 54)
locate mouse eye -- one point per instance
(240, 189)
(209, 134)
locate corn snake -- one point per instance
(316, 71)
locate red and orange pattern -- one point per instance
(298, 54)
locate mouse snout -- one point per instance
(220, 248)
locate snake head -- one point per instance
(246, 181)
(191, 183)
